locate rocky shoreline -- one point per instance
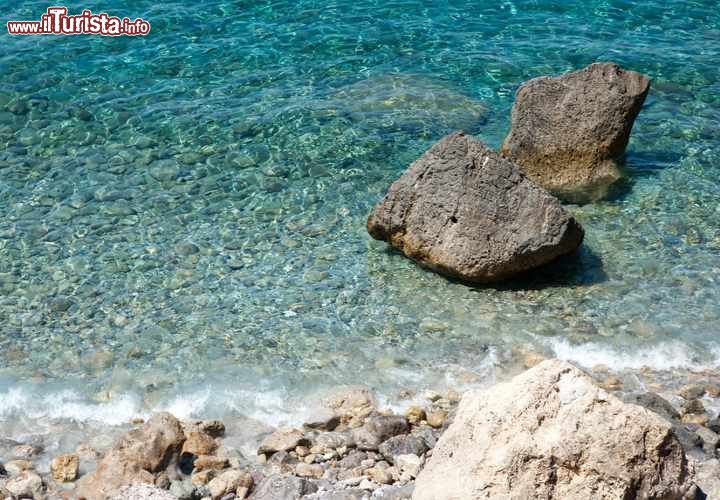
(551, 430)
(348, 448)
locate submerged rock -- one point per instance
(551, 433)
(410, 103)
(569, 133)
(466, 212)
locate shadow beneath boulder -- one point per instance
(639, 165)
(621, 189)
(581, 268)
(649, 163)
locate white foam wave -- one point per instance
(67, 404)
(275, 405)
(663, 356)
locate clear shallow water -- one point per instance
(182, 216)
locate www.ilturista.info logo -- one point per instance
(56, 22)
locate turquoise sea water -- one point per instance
(182, 215)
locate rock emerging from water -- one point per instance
(551, 433)
(466, 212)
(569, 133)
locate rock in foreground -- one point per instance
(135, 458)
(551, 433)
(466, 212)
(569, 132)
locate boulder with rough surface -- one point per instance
(569, 133)
(466, 212)
(135, 458)
(551, 433)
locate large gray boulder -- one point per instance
(551, 433)
(569, 133)
(466, 212)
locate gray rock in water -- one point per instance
(164, 170)
(466, 212)
(286, 487)
(569, 133)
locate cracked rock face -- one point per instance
(551, 433)
(569, 133)
(466, 212)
